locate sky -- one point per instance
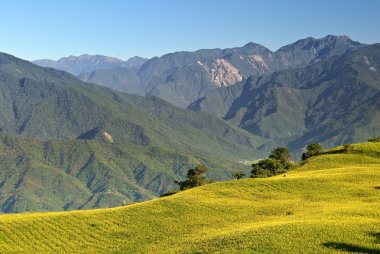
(50, 29)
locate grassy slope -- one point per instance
(330, 204)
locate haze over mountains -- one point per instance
(87, 63)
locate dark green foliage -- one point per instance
(280, 154)
(195, 177)
(238, 175)
(346, 148)
(314, 149)
(377, 139)
(266, 168)
(277, 163)
(169, 193)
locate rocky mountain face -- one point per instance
(65, 144)
(77, 65)
(332, 101)
(184, 77)
(221, 72)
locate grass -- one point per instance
(329, 205)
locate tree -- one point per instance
(280, 154)
(195, 177)
(312, 150)
(278, 162)
(266, 168)
(238, 175)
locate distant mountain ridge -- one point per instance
(77, 65)
(170, 76)
(184, 77)
(332, 101)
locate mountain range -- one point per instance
(88, 63)
(66, 144)
(333, 101)
(184, 77)
(303, 92)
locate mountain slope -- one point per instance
(334, 101)
(329, 205)
(161, 141)
(77, 174)
(184, 77)
(77, 65)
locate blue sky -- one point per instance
(34, 29)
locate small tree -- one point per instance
(195, 177)
(266, 168)
(238, 175)
(312, 150)
(280, 154)
(278, 162)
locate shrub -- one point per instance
(377, 139)
(238, 175)
(278, 161)
(312, 150)
(346, 148)
(280, 154)
(169, 193)
(195, 177)
(266, 168)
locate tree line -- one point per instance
(278, 162)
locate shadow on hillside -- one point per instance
(376, 236)
(351, 248)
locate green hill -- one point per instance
(331, 204)
(136, 146)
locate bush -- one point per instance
(377, 139)
(277, 163)
(266, 168)
(280, 154)
(346, 148)
(195, 177)
(312, 150)
(169, 193)
(238, 175)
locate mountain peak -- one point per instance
(336, 37)
(252, 45)
(328, 45)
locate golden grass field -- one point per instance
(329, 205)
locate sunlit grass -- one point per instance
(329, 205)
